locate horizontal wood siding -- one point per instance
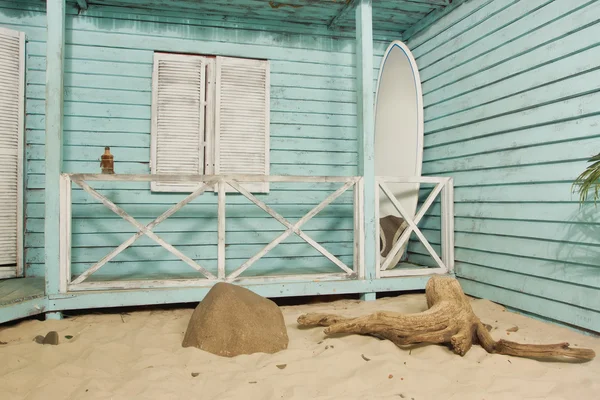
(512, 95)
(109, 53)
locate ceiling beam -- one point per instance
(431, 18)
(348, 7)
(82, 4)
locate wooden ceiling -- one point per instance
(390, 17)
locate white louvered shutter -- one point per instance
(12, 89)
(178, 101)
(242, 119)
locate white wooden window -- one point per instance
(12, 95)
(210, 115)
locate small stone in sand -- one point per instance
(51, 338)
(513, 329)
(195, 374)
(281, 366)
(367, 359)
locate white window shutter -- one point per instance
(178, 101)
(242, 119)
(12, 103)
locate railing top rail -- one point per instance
(412, 179)
(208, 178)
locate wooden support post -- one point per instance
(54, 315)
(448, 225)
(221, 230)
(368, 296)
(55, 50)
(366, 130)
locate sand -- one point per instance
(139, 356)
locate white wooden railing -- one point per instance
(444, 187)
(205, 182)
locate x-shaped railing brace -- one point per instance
(292, 228)
(412, 224)
(143, 230)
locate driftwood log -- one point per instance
(449, 319)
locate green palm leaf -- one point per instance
(589, 180)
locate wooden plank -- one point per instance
(520, 54)
(191, 283)
(221, 230)
(497, 15)
(366, 130)
(204, 178)
(117, 210)
(359, 223)
(533, 70)
(65, 233)
(546, 308)
(271, 290)
(412, 272)
(54, 127)
(447, 225)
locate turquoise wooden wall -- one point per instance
(512, 94)
(107, 103)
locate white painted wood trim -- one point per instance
(65, 233)
(412, 224)
(266, 187)
(447, 228)
(378, 266)
(190, 283)
(20, 267)
(210, 110)
(406, 234)
(221, 219)
(153, 120)
(359, 229)
(204, 178)
(119, 211)
(139, 234)
(410, 179)
(291, 229)
(412, 272)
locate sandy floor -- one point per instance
(139, 356)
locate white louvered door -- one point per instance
(12, 90)
(178, 102)
(242, 110)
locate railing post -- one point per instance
(366, 132)
(447, 230)
(65, 233)
(221, 230)
(55, 46)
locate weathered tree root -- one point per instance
(449, 319)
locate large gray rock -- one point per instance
(232, 320)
